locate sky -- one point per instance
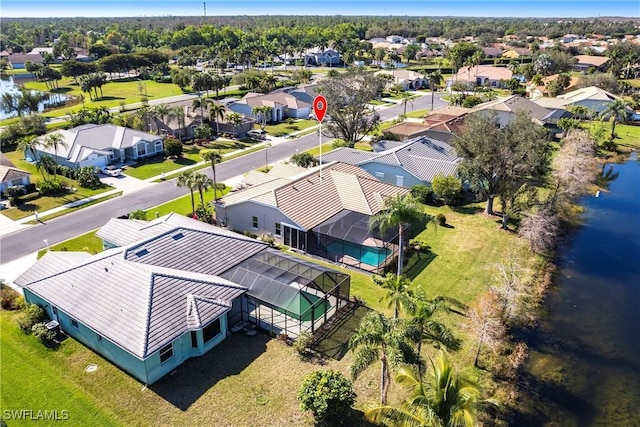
(480, 8)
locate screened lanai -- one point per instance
(346, 238)
(288, 295)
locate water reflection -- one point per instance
(48, 99)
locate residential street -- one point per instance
(56, 230)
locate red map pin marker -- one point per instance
(320, 107)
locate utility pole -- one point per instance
(205, 9)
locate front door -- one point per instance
(293, 237)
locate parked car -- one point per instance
(111, 171)
(257, 134)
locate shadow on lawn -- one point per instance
(334, 341)
(197, 375)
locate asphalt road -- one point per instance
(31, 239)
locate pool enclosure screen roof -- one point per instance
(277, 279)
(354, 227)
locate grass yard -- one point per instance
(75, 208)
(628, 136)
(315, 151)
(87, 242)
(113, 93)
(418, 114)
(284, 129)
(157, 165)
(182, 205)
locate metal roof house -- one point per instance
(324, 213)
(402, 163)
(175, 289)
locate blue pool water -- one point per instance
(366, 254)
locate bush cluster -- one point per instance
(10, 299)
(32, 314)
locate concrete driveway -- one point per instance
(125, 183)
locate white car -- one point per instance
(111, 171)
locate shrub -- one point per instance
(422, 193)
(50, 187)
(13, 193)
(41, 332)
(471, 101)
(448, 187)
(172, 147)
(32, 314)
(441, 220)
(327, 394)
(137, 214)
(10, 298)
(303, 342)
(304, 159)
(87, 177)
(338, 143)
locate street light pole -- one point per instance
(266, 160)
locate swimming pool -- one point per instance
(366, 254)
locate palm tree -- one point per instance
(398, 211)
(202, 183)
(445, 401)
(236, 120)
(615, 110)
(398, 293)
(216, 113)
(387, 340)
(55, 140)
(178, 112)
(406, 98)
(201, 104)
(162, 111)
(185, 179)
(213, 157)
(261, 113)
(537, 80)
(29, 143)
(422, 311)
(435, 81)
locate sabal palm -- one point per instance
(216, 113)
(422, 310)
(177, 112)
(398, 295)
(201, 182)
(445, 400)
(387, 340)
(213, 157)
(55, 140)
(29, 144)
(201, 104)
(235, 119)
(615, 110)
(435, 81)
(185, 179)
(398, 211)
(162, 112)
(406, 98)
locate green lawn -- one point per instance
(628, 136)
(325, 149)
(283, 129)
(87, 242)
(182, 205)
(418, 114)
(113, 93)
(159, 164)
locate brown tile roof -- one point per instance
(7, 173)
(596, 61)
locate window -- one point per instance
(158, 146)
(194, 339)
(278, 229)
(74, 322)
(166, 352)
(99, 337)
(142, 149)
(399, 180)
(254, 222)
(55, 310)
(211, 331)
(379, 174)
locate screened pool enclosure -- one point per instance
(286, 294)
(345, 238)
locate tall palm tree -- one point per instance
(398, 211)
(162, 112)
(236, 120)
(55, 141)
(261, 113)
(213, 157)
(616, 110)
(422, 311)
(177, 112)
(216, 113)
(387, 340)
(446, 400)
(29, 144)
(398, 293)
(201, 104)
(406, 98)
(185, 179)
(201, 182)
(435, 81)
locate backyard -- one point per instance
(254, 380)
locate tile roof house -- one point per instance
(282, 105)
(505, 109)
(10, 175)
(517, 52)
(409, 80)
(174, 290)
(403, 163)
(585, 62)
(592, 97)
(322, 211)
(492, 52)
(18, 60)
(481, 75)
(534, 92)
(100, 145)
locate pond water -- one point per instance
(585, 359)
(10, 86)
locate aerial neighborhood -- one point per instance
(184, 227)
